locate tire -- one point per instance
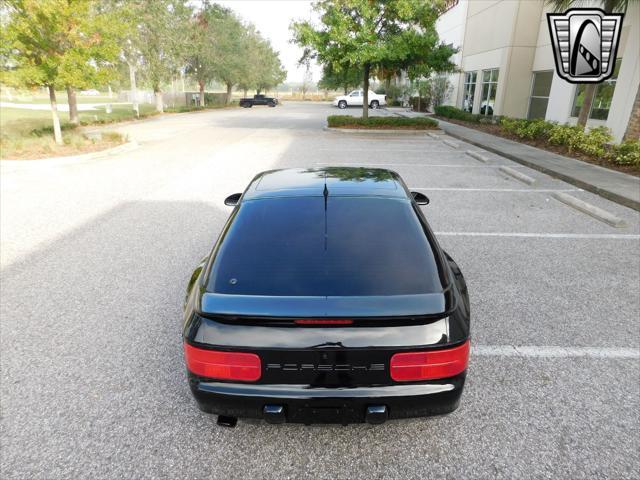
(271, 104)
(342, 104)
(375, 104)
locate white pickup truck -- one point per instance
(355, 98)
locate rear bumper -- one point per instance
(304, 404)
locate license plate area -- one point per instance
(339, 414)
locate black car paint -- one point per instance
(327, 374)
(258, 100)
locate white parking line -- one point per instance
(518, 190)
(533, 351)
(604, 236)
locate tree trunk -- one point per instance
(245, 93)
(346, 89)
(57, 133)
(633, 127)
(134, 90)
(589, 94)
(202, 102)
(73, 105)
(227, 99)
(159, 102)
(365, 92)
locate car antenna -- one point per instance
(325, 194)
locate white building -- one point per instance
(507, 64)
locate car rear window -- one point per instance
(357, 246)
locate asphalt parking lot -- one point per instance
(96, 256)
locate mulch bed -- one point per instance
(543, 145)
(60, 151)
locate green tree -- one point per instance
(269, 72)
(261, 68)
(162, 40)
(344, 79)
(128, 14)
(370, 34)
(91, 52)
(54, 43)
(609, 6)
(207, 45)
(231, 39)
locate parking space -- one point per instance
(92, 371)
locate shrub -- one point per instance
(571, 136)
(114, 137)
(595, 141)
(347, 121)
(627, 153)
(448, 111)
(530, 129)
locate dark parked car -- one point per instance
(326, 299)
(258, 100)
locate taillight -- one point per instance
(323, 321)
(245, 367)
(432, 365)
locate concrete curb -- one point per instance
(125, 147)
(383, 131)
(451, 144)
(584, 207)
(518, 175)
(477, 155)
(606, 189)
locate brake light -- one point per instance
(245, 367)
(323, 321)
(414, 366)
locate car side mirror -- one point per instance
(420, 198)
(232, 200)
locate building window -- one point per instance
(489, 87)
(469, 90)
(602, 98)
(540, 94)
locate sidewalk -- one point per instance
(616, 186)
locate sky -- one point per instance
(272, 18)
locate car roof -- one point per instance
(342, 181)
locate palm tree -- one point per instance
(609, 6)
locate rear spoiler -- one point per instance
(430, 304)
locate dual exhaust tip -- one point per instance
(375, 415)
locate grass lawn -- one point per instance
(20, 121)
(61, 97)
(29, 133)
